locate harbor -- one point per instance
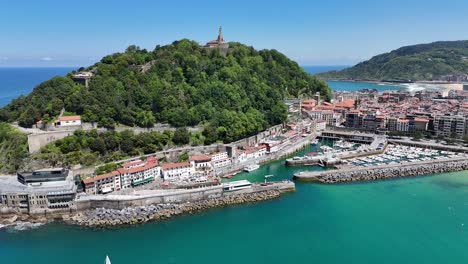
(341, 150)
(367, 172)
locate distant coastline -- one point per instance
(458, 86)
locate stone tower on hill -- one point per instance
(218, 43)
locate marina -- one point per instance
(341, 150)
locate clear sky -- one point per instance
(328, 32)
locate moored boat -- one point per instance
(251, 167)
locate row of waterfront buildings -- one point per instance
(441, 114)
(57, 190)
(199, 168)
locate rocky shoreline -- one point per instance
(23, 221)
(394, 172)
(103, 217)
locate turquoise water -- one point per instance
(356, 86)
(417, 220)
(353, 86)
(413, 220)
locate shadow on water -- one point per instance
(457, 180)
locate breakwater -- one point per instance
(146, 205)
(384, 172)
(102, 217)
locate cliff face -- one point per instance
(444, 60)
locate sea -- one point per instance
(20, 81)
(412, 220)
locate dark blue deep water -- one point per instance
(20, 81)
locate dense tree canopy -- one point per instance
(13, 148)
(91, 147)
(411, 63)
(183, 84)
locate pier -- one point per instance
(351, 174)
(144, 206)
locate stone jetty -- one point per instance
(102, 217)
(384, 172)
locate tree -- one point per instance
(418, 136)
(127, 145)
(98, 145)
(209, 132)
(145, 119)
(29, 117)
(183, 157)
(107, 123)
(181, 136)
(109, 167)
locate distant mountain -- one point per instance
(423, 62)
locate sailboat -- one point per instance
(107, 261)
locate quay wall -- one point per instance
(149, 198)
(351, 174)
(119, 202)
(128, 212)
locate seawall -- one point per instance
(157, 204)
(384, 171)
(126, 212)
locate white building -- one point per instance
(139, 172)
(106, 183)
(174, 171)
(65, 121)
(320, 125)
(220, 159)
(402, 125)
(131, 174)
(201, 164)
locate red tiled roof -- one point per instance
(346, 103)
(309, 101)
(200, 158)
(420, 120)
(107, 175)
(171, 166)
(88, 180)
(69, 118)
(132, 163)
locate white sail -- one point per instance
(107, 260)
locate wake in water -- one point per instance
(21, 226)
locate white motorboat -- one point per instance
(251, 167)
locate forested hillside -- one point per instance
(183, 84)
(424, 62)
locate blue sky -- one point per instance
(329, 32)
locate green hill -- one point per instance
(237, 95)
(424, 62)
